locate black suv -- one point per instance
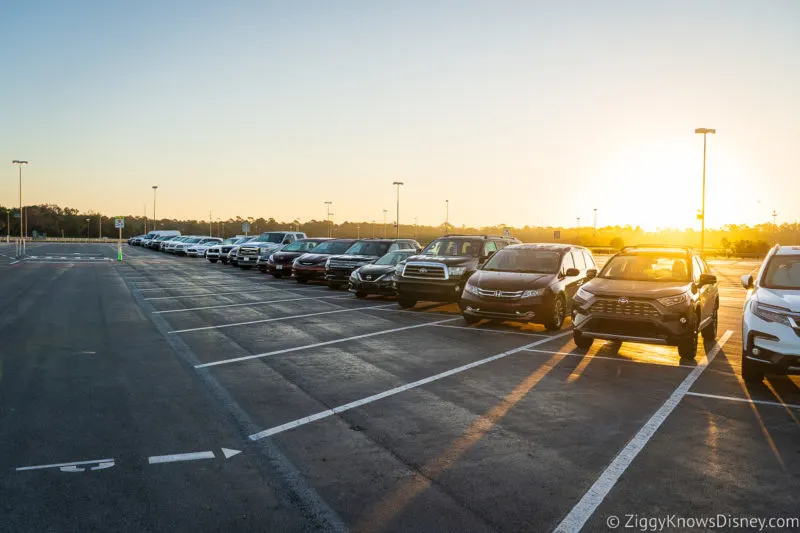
(650, 294)
(363, 252)
(439, 272)
(528, 283)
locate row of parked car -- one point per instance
(648, 294)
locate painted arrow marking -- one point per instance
(71, 467)
(228, 453)
(194, 456)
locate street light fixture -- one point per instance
(20, 163)
(328, 205)
(155, 188)
(702, 216)
(397, 220)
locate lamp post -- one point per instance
(373, 228)
(446, 216)
(155, 188)
(397, 220)
(579, 227)
(384, 223)
(595, 221)
(20, 163)
(88, 229)
(704, 132)
(328, 205)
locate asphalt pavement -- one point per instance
(169, 394)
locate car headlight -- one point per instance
(674, 300)
(472, 289)
(770, 313)
(328, 262)
(456, 271)
(583, 295)
(398, 270)
(530, 293)
(354, 275)
(295, 262)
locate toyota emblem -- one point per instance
(623, 300)
(423, 270)
(369, 278)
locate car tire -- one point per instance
(213, 260)
(361, 295)
(245, 267)
(559, 313)
(710, 331)
(262, 269)
(406, 303)
(751, 372)
(302, 281)
(334, 286)
(581, 341)
(687, 347)
(471, 319)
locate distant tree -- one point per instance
(617, 243)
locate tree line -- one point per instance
(55, 221)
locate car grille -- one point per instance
(226, 249)
(249, 252)
(424, 271)
(506, 295)
(630, 309)
(632, 328)
(306, 263)
(338, 263)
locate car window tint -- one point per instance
(589, 260)
(577, 257)
(697, 269)
(568, 262)
(490, 246)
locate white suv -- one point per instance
(771, 321)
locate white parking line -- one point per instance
(155, 459)
(278, 319)
(744, 400)
(58, 465)
(260, 302)
(320, 344)
(391, 392)
(194, 287)
(607, 358)
(590, 501)
(223, 293)
(485, 330)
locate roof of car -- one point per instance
(787, 250)
(458, 236)
(547, 246)
(371, 239)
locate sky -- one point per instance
(520, 113)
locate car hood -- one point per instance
(636, 289)
(510, 281)
(787, 298)
(375, 270)
(314, 258)
(285, 257)
(448, 260)
(355, 258)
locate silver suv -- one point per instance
(771, 319)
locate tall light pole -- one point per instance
(155, 188)
(579, 226)
(20, 163)
(446, 216)
(595, 221)
(88, 229)
(704, 132)
(384, 223)
(397, 220)
(210, 230)
(373, 228)
(328, 205)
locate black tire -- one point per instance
(361, 295)
(224, 261)
(279, 276)
(245, 267)
(302, 281)
(751, 372)
(687, 347)
(213, 260)
(710, 331)
(471, 319)
(559, 313)
(406, 303)
(334, 286)
(581, 341)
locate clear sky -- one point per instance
(521, 112)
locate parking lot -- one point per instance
(165, 393)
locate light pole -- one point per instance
(373, 228)
(415, 228)
(358, 231)
(446, 216)
(704, 132)
(210, 222)
(155, 188)
(579, 227)
(397, 220)
(595, 221)
(88, 229)
(384, 223)
(328, 205)
(20, 163)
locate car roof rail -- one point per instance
(675, 246)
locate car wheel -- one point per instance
(751, 372)
(406, 303)
(361, 294)
(224, 261)
(302, 280)
(710, 331)
(558, 313)
(471, 319)
(581, 341)
(334, 286)
(245, 267)
(212, 260)
(687, 348)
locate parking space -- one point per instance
(410, 419)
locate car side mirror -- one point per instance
(572, 272)
(747, 281)
(591, 273)
(706, 279)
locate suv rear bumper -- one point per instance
(447, 290)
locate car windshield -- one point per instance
(270, 237)
(193, 240)
(524, 260)
(783, 272)
(454, 247)
(229, 240)
(333, 247)
(243, 240)
(392, 258)
(300, 246)
(368, 248)
(647, 267)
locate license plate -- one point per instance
(278, 267)
(245, 259)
